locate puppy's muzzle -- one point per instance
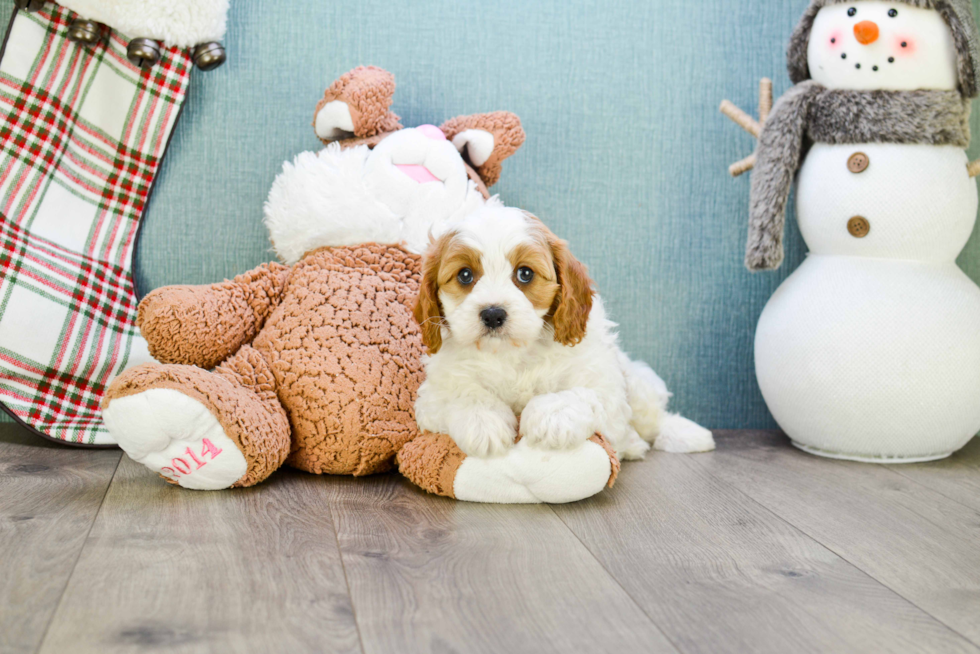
(493, 317)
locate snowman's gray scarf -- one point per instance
(810, 113)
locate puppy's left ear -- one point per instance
(573, 304)
(428, 310)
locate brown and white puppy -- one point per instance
(514, 329)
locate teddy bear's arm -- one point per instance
(204, 325)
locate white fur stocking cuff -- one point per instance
(182, 23)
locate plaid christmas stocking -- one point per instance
(82, 135)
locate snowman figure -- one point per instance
(870, 351)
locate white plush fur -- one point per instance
(928, 60)
(530, 475)
(478, 144)
(479, 382)
(358, 195)
(183, 23)
(334, 121)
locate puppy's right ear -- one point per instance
(428, 310)
(573, 304)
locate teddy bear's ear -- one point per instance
(485, 140)
(357, 104)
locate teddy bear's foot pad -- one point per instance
(176, 436)
(529, 475)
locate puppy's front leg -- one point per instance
(562, 420)
(483, 429)
(480, 424)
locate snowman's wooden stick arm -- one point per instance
(749, 124)
(740, 118)
(765, 99)
(743, 166)
(973, 168)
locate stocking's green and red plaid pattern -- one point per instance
(82, 134)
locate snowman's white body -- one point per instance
(871, 349)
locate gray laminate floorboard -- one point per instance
(754, 548)
(171, 570)
(430, 574)
(49, 497)
(957, 477)
(912, 539)
(717, 572)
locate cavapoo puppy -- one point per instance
(519, 342)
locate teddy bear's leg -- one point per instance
(525, 475)
(199, 429)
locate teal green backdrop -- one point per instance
(626, 155)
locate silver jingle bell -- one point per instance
(209, 56)
(29, 5)
(143, 53)
(85, 32)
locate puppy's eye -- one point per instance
(893, 12)
(852, 11)
(465, 277)
(525, 275)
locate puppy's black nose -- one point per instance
(493, 317)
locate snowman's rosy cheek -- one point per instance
(836, 40)
(903, 46)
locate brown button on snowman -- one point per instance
(871, 349)
(858, 163)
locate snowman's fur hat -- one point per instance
(958, 14)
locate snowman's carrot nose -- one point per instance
(866, 32)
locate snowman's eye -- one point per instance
(893, 12)
(852, 11)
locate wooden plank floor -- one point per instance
(754, 548)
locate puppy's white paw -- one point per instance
(484, 432)
(560, 421)
(679, 435)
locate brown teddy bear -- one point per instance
(316, 361)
